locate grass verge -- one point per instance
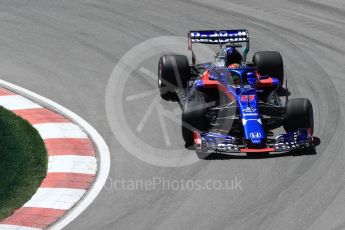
(23, 162)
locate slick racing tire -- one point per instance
(269, 63)
(173, 73)
(194, 118)
(299, 114)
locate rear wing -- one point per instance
(219, 37)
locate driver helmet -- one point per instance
(235, 78)
(234, 66)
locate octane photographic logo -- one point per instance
(148, 127)
(163, 183)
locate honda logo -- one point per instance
(255, 135)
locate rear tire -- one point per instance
(299, 114)
(173, 73)
(194, 118)
(269, 63)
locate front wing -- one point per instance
(215, 142)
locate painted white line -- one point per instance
(55, 198)
(60, 130)
(16, 227)
(14, 102)
(72, 164)
(100, 145)
(148, 73)
(141, 95)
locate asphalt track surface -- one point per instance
(66, 50)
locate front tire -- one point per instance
(299, 115)
(194, 118)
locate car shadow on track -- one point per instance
(224, 156)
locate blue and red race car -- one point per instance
(231, 105)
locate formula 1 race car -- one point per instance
(231, 105)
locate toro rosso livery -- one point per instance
(231, 105)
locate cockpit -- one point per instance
(233, 77)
